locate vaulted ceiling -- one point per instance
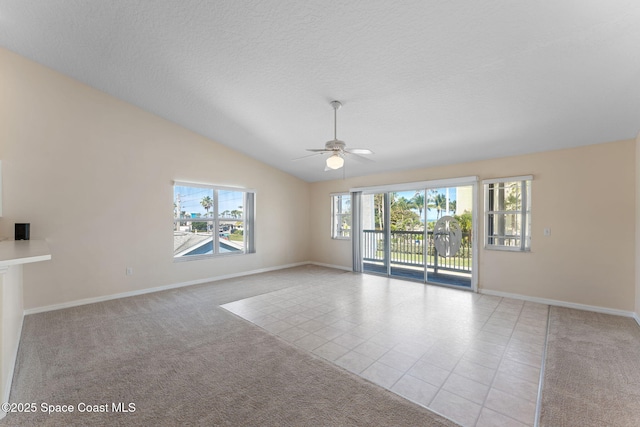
(422, 83)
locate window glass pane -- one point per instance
(194, 243)
(512, 224)
(340, 216)
(505, 196)
(193, 223)
(504, 215)
(512, 196)
(192, 202)
(231, 230)
(231, 235)
(230, 204)
(209, 221)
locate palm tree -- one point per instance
(418, 202)
(440, 203)
(452, 206)
(206, 203)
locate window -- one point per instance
(210, 221)
(507, 204)
(340, 216)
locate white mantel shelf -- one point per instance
(14, 252)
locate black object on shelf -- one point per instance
(22, 231)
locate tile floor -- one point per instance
(472, 358)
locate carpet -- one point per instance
(182, 360)
(592, 375)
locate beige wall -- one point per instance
(93, 175)
(637, 258)
(586, 196)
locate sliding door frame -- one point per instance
(425, 185)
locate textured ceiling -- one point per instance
(423, 83)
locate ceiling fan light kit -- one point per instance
(337, 148)
(335, 162)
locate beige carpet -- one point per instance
(592, 375)
(184, 361)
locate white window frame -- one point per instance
(337, 217)
(524, 212)
(247, 219)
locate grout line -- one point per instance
(536, 422)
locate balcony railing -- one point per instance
(408, 248)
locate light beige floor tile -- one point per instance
(415, 390)
(467, 388)
(398, 360)
(515, 386)
(525, 357)
(528, 337)
(484, 359)
(311, 325)
(381, 374)
(310, 342)
(499, 330)
(344, 325)
(540, 329)
(520, 370)
(487, 347)
(292, 334)
(329, 332)
(331, 351)
(492, 338)
(443, 360)
(429, 373)
(415, 348)
(456, 408)
(294, 319)
(521, 409)
(386, 339)
(348, 340)
(370, 349)
(489, 418)
(277, 326)
(354, 362)
(475, 372)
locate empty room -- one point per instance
(286, 213)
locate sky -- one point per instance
(190, 198)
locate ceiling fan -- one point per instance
(338, 149)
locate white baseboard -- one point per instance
(637, 318)
(7, 386)
(157, 289)
(558, 303)
(337, 267)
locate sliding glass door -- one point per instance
(407, 237)
(420, 234)
(375, 248)
(449, 224)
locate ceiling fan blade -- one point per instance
(358, 151)
(360, 158)
(304, 157)
(319, 150)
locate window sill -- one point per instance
(203, 257)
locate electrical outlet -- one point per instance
(129, 271)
